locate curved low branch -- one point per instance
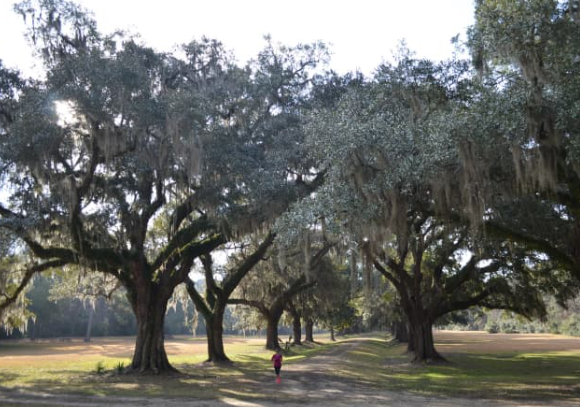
(250, 303)
(10, 299)
(534, 244)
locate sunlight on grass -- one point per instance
(57, 368)
(545, 375)
(374, 363)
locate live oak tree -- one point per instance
(276, 282)
(13, 312)
(328, 304)
(527, 53)
(85, 189)
(271, 115)
(406, 183)
(213, 304)
(137, 138)
(433, 277)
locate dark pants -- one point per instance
(277, 369)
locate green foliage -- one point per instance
(120, 367)
(100, 367)
(132, 163)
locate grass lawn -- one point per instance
(531, 367)
(485, 373)
(73, 368)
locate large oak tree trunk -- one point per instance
(150, 355)
(272, 333)
(149, 302)
(273, 318)
(214, 329)
(309, 328)
(297, 331)
(332, 338)
(421, 333)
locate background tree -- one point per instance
(212, 306)
(279, 280)
(269, 119)
(330, 303)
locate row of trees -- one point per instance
(456, 181)
(59, 314)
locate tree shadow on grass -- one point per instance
(494, 376)
(7, 377)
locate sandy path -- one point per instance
(310, 382)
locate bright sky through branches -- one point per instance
(362, 33)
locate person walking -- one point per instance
(277, 359)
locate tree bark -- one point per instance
(296, 324)
(422, 340)
(214, 330)
(296, 330)
(150, 355)
(400, 331)
(332, 338)
(149, 302)
(272, 332)
(309, 327)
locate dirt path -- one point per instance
(308, 383)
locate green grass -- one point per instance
(548, 375)
(376, 364)
(515, 375)
(245, 378)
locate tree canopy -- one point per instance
(458, 181)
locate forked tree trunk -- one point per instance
(309, 328)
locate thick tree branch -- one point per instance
(250, 303)
(156, 204)
(200, 304)
(234, 277)
(10, 299)
(211, 286)
(182, 240)
(534, 244)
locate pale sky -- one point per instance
(361, 33)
